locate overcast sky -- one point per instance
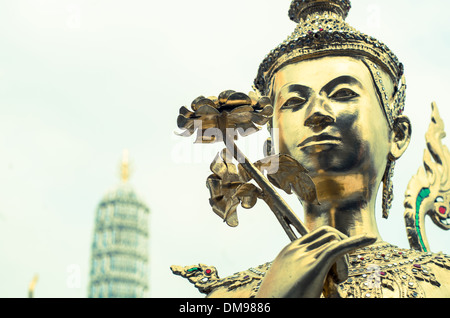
(82, 80)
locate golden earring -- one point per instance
(388, 188)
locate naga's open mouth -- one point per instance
(445, 221)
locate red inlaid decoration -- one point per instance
(442, 210)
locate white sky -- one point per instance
(82, 80)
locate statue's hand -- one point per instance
(302, 267)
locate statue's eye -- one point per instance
(439, 199)
(344, 94)
(293, 103)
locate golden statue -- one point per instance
(333, 99)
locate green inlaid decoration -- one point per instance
(424, 193)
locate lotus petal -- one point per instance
(206, 110)
(185, 123)
(208, 122)
(248, 194)
(238, 99)
(226, 171)
(224, 96)
(234, 119)
(185, 133)
(305, 188)
(254, 97)
(225, 206)
(267, 110)
(218, 207)
(263, 102)
(291, 176)
(201, 101)
(215, 100)
(195, 101)
(242, 109)
(214, 184)
(230, 214)
(186, 112)
(260, 119)
(218, 167)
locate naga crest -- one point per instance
(428, 192)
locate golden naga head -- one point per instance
(428, 191)
(436, 163)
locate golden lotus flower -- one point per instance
(220, 119)
(212, 116)
(228, 187)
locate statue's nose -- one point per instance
(319, 114)
(319, 119)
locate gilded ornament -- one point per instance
(428, 192)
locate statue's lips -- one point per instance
(323, 139)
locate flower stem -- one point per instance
(279, 207)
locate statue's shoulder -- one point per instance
(439, 265)
(387, 271)
(244, 284)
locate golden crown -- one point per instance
(321, 30)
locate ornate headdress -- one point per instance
(322, 31)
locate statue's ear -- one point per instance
(400, 138)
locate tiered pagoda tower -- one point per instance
(119, 258)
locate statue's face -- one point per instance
(329, 118)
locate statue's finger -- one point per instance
(338, 249)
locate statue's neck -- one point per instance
(347, 203)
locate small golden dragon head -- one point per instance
(428, 192)
(436, 163)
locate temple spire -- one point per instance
(125, 167)
(119, 250)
